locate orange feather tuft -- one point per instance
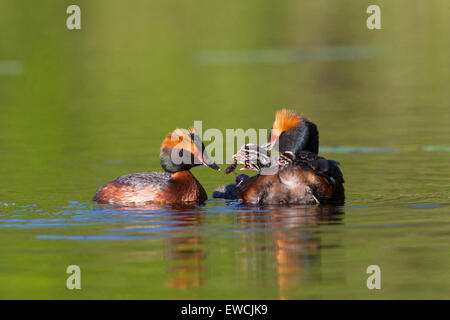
(285, 120)
(181, 139)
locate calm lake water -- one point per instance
(80, 108)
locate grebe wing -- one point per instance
(321, 165)
(160, 180)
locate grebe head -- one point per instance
(182, 150)
(291, 132)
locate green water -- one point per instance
(79, 108)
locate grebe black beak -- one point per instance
(206, 161)
(213, 166)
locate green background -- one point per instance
(80, 107)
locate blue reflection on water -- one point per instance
(163, 221)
